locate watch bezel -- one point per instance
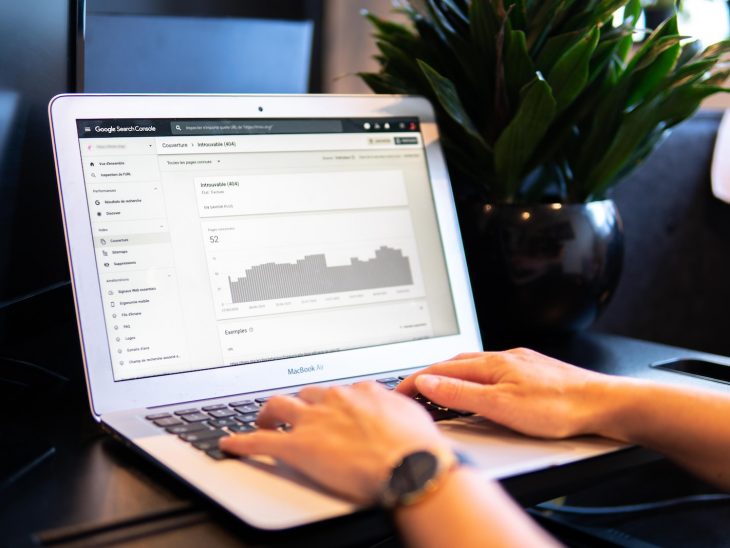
(396, 492)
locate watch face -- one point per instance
(414, 473)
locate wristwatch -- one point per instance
(415, 476)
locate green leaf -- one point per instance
(388, 28)
(449, 100)
(484, 25)
(662, 113)
(554, 48)
(654, 68)
(570, 74)
(518, 66)
(716, 50)
(518, 141)
(632, 12)
(382, 83)
(543, 20)
(517, 13)
(690, 73)
(667, 29)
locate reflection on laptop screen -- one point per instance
(225, 242)
(173, 54)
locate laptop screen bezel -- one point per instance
(105, 394)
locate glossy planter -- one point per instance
(546, 269)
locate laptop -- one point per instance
(227, 248)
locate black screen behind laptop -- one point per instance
(220, 46)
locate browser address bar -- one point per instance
(254, 127)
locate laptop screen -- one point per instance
(226, 242)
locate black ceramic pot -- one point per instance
(541, 270)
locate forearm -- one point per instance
(691, 427)
(468, 511)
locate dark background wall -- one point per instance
(675, 286)
(35, 64)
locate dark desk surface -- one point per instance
(92, 489)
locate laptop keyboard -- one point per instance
(202, 427)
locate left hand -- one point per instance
(345, 438)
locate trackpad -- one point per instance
(500, 452)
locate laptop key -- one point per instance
(184, 428)
(441, 414)
(168, 421)
(388, 380)
(241, 428)
(206, 445)
(247, 418)
(264, 399)
(222, 413)
(213, 407)
(252, 408)
(186, 411)
(195, 417)
(217, 454)
(220, 423)
(240, 403)
(203, 435)
(157, 416)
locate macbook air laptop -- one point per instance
(224, 249)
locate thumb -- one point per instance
(451, 392)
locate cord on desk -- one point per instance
(122, 527)
(642, 508)
(33, 294)
(26, 363)
(578, 535)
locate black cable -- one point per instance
(33, 294)
(32, 365)
(640, 508)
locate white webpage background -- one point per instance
(192, 325)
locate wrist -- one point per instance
(416, 476)
(617, 401)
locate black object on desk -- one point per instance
(704, 369)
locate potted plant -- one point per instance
(543, 106)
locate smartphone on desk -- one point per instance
(705, 369)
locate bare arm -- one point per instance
(691, 427)
(539, 396)
(467, 512)
(348, 439)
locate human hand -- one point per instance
(521, 389)
(346, 438)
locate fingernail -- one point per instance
(427, 382)
(222, 442)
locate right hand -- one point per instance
(521, 389)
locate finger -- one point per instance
(368, 386)
(468, 356)
(480, 369)
(312, 394)
(451, 392)
(273, 444)
(280, 409)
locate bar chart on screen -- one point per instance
(344, 246)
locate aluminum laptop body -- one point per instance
(226, 248)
